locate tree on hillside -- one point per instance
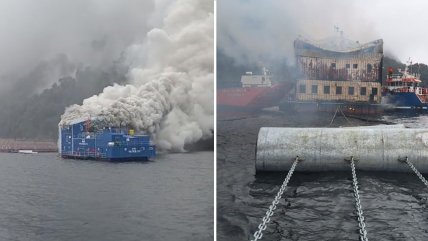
(37, 116)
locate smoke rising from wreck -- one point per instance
(264, 32)
(252, 31)
(171, 76)
(44, 41)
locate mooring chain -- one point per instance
(406, 159)
(266, 219)
(361, 224)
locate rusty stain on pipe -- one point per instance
(324, 149)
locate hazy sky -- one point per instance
(251, 30)
(96, 32)
(36, 30)
(85, 32)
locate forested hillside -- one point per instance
(37, 116)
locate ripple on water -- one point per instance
(315, 206)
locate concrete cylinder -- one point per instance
(324, 149)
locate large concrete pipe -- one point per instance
(324, 149)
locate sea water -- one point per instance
(46, 198)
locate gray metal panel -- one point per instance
(324, 149)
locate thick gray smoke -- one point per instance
(254, 31)
(264, 31)
(81, 32)
(172, 91)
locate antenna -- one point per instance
(409, 62)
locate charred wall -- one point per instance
(351, 91)
(359, 64)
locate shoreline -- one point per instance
(13, 145)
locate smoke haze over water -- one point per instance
(264, 31)
(171, 91)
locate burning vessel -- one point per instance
(402, 90)
(256, 92)
(343, 76)
(84, 140)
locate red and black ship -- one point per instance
(256, 92)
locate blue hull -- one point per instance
(112, 159)
(407, 99)
(113, 144)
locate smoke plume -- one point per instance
(253, 31)
(171, 76)
(43, 41)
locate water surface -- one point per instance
(316, 206)
(47, 198)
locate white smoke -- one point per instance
(171, 93)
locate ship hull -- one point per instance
(251, 98)
(112, 159)
(404, 100)
(352, 108)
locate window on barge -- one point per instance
(326, 89)
(302, 89)
(314, 89)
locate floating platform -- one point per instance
(85, 141)
(376, 148)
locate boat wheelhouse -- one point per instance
(257, 91)
(403, 89)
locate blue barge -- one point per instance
(81, 139)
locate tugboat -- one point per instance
(402, 90)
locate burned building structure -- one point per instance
(345, 72)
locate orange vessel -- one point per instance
(257, 92)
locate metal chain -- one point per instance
(361, 224)
(339, 109)
(266, 219)
(416, 171)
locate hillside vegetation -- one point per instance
(37, 116)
